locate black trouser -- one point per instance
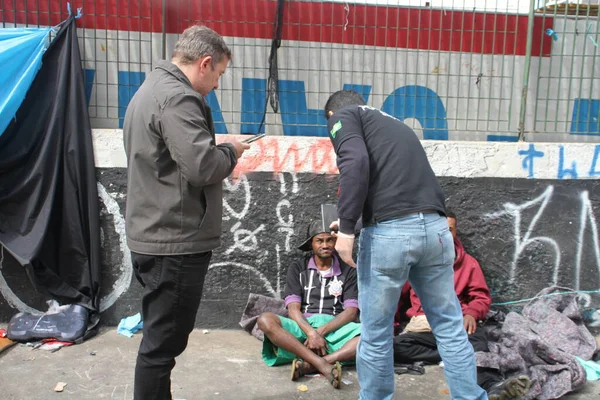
(171, 297)
(421, 346)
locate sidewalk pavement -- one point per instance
(216, 365)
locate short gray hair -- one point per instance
(199, 41)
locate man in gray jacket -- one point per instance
(174, 198)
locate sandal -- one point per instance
(336, 381)
(297, 365)
(411, 369)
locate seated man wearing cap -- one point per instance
(321, 295)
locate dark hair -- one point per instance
(341, 99)
(450, 213)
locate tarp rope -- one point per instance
(272, 96)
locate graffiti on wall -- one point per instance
(417, 102)
(243, 231)
(259, 244)
(525, 235)
(263, 220)
(568, 166)
(245, 234)
(271, 154)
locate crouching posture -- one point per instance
(321, 295)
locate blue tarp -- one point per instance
(21, 52)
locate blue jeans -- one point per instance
(419, 248)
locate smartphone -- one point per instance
(254, 138)
(328, 215)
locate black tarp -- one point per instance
(49, 218)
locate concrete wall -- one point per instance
(522, 214)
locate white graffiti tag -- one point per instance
(285, 224)
(121, 285)
(243, 239)
(234, 187)
(587, 215)
(523, 240)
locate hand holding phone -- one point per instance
(329, 215)
(253, 138)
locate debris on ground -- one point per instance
(60, 386)
(303, 388)
(5, 343)
(51, 344)
(130, 325)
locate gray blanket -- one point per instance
(258, 304)
(542, 342)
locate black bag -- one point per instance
(68, 325)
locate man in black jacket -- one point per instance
(385, 177)
(321, 295)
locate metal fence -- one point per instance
(452, 69)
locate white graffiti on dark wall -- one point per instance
(244, 240)
(587, 215)
(261, 277)
(247, 240)
(231, 186)
(121, 284)
(284, 187)
(11, 298)
(285, 225)
(522, 241)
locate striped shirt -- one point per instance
(327, 294)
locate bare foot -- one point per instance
(302, 368)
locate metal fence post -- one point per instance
(525, 90)
(164, 30)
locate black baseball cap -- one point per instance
(314, 228)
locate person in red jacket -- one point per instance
(417, 343)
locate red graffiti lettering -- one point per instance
(282, 154)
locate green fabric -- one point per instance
(335, 340)
(592, 369)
